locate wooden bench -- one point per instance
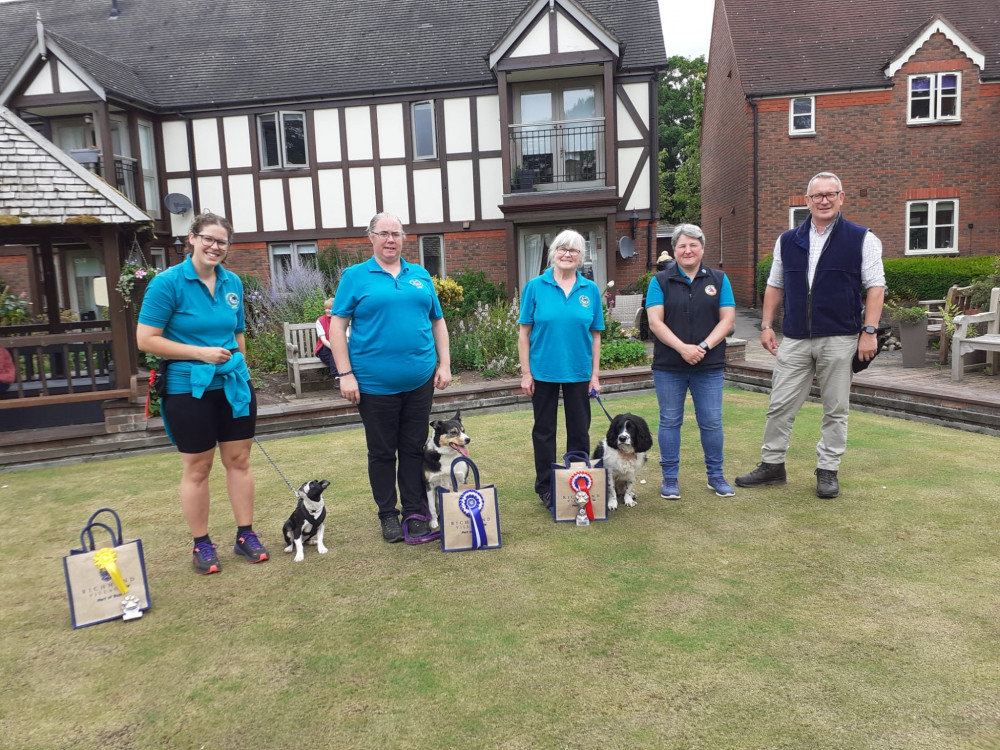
(300, 345)
(989, 342)
(956, 301)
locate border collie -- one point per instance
(624, 452)
(306, 524)
(447, 442)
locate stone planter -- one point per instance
(913, 337)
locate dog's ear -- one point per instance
(323, 484)
(458, 415)
(643, 438)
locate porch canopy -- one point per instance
(47, 200)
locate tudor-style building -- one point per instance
(901, 100)
(486, 127)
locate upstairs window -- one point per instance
(935, 97)
(432, 254)
(802, 116)
(282, 138)
(424, 142)
(932, 227)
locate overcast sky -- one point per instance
(687, 26)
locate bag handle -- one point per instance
(118, 522)
(475, 471)
(579, 456)
(89, 530)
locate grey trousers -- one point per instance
(828, 360)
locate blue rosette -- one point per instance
(471, 503)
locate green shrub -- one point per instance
(450, 294)
(625, 352)
(763, 271)
(642, 283)
(266, 351)
(477, 288)
(930, 277)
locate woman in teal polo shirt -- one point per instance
(559, 343)
(192, 315)
(398, 353)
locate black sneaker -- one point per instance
(546, 498)
(204, 559)
(250, 547)
(765, 474)
(827, 485)
(418, 528)
(391, 530)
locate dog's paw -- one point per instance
(321, 548)
(630, 501)
(289, 548)
(313, 542)
(612, 504)
(300, 557)
(435, 525)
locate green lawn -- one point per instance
(768, 620)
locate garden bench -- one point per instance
(300, 345)
(988, 342)
(958, 298)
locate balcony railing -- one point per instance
(126, 169)
(556, 155)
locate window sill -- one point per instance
(943, 251)
(929, 123)
(803, 134)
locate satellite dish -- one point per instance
(626, 247)
(177, 203)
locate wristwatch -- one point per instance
(869, 329)
(765, 326)
(704, 345)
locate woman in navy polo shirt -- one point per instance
(192, 315)
(559, 343)
(691, 311)
(398, 353)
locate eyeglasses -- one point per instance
(210, 240)
(387, 235)
(571, 252)
(817, 197)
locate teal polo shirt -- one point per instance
(561, 345)
(177, 301)
(654, 294)
(391, 345)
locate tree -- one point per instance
(681, 96)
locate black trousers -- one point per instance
(576, 405)
(326, 357)
(396, 425)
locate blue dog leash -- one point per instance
(595, 394)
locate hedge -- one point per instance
(914, 278)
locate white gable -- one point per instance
(529, 35)
(571, 39)
(937, 24)
(535, 42)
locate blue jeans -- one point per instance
(706, 392)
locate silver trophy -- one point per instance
(130, 608)
(580, 500)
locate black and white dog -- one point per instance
(624, 452)
(306, 524)
(447, 442)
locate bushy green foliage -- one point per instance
(477, 288)
(930, 277)
(623, 352)
(642, 283)
(486, 340)
(450, 294)
(900, 312)
(151, 361)
(13, 309)
(980, 295)
(763, 271)
(296, 296)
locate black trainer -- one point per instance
(827, 485)
(418, 528)
(391, 530)
(765, 474)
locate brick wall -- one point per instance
(863, 138)
(14, 273)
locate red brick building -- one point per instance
(900, 99)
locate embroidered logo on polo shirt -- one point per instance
(585, 300)
(417, 283)
(711, 291)
(233, 299)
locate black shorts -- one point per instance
(199, 424)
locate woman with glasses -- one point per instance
(192, 316)
(398, 353)
(691, 310)
(559, 343)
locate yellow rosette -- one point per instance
(107, 559)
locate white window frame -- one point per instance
(935, 96)
(147, 166)
(932, 228)
(158, 257)
(417, 156)
(294, 250)
(279, 119)
(440, 248)
(792, 221)
(811, 130)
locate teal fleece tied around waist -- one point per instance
(234, 382)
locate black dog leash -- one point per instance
(595, 394)
(275, 466)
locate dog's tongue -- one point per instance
(463, 450)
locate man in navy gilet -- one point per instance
(818, 272)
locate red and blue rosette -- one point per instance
(471, 503)
(581, 481)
